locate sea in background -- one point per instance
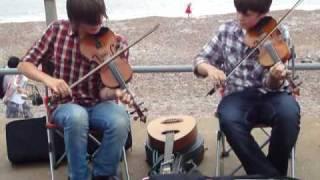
(33, 10)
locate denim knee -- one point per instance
(71, 116)
(120, 124)
(288, 113)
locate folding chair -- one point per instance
(52, 128)
(56, 161)
(222, 152)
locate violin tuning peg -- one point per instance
(135, 118)
(132, 112)
(299, 83)
(143, 119)
(296, 91)
(145, 110)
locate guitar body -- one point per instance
(184, 128)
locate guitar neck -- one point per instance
(166, 165)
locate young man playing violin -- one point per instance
(87, 105)
(253, 94)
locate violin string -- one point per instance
(106, 62)
(264, 38)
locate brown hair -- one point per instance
(86, 11)
(259, 6)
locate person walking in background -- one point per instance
(188, 10)
(15, 93)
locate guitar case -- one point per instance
(186, 159)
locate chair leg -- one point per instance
(293, 157)
(57, 162)
(219, 156)
(124, 166)
(222, 152)
(225, 152)
(95, 140)
(54, 163)
(51, 150)
(261, 147)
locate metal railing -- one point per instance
(177, 68)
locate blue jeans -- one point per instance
(239, 112)
(108, 117)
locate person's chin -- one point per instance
(93, 31)
(244, 26)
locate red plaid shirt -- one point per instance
(60, 44)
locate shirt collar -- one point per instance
(72, 31)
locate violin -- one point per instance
(101, 45)
(254, 35)
(274, 49)
(115, 74)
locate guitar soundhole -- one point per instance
(170, 131)
(171, 121)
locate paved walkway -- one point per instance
(307, 161)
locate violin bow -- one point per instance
(113, 57)
(263, 40)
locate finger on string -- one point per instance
(130, 103)
(118, 93)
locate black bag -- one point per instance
(27, 141)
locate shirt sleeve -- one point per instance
(43, 48)
(212, 51)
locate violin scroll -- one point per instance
(140, 112)
(294, 83)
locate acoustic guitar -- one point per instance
(181, 129)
